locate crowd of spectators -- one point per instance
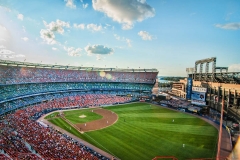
(17, 75)
(16, 90)
(22, 102)
(176, 103)
(21, 136)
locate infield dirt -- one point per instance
(108, 119)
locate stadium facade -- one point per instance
(218, 85)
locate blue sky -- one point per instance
(169, 35)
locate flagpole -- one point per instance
(220, 131)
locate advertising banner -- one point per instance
(189, 88)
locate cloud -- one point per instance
(94, 27)
(98, 57)
(117, 37)
(234, 68)
(125, 12)
(145, 35)
(85, 5)
(20, 16)
(53, 48)
(128, 41)
(79, 26)
(231, 26)
(5, 36)
(3, 50)
(48, 36)
(5, 53)
(24, 38)
(98, 49)
(70, 4)
(72, 51)
(57, 26)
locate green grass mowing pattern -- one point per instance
(73, 116)
(64, 125)
(51, 115)
(149, 131)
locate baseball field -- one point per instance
(142, 131)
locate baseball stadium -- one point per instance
(66, 112)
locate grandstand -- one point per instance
(29, 90)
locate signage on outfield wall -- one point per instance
(199, 95)
(189, 88)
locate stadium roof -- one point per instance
(50, 66)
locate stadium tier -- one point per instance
(30, 90)
(22, 80)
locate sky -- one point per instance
(168, 35)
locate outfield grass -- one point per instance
(143, 132)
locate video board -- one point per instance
(198, 95)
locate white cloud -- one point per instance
(72, 51)
(234, 68)
(24, 38)
(80, 26)
(70, 4)
(48, 36)
(98, 49)
(20, 16)
(5, 53)
(3, 50)
(98, 57)
(128, 41)
(5, 36)
(94, 27)
(145, 35)
(117, 37)
(57, 26)
(231, 26)
(85, 5)
(125, 12)
(53, 48)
